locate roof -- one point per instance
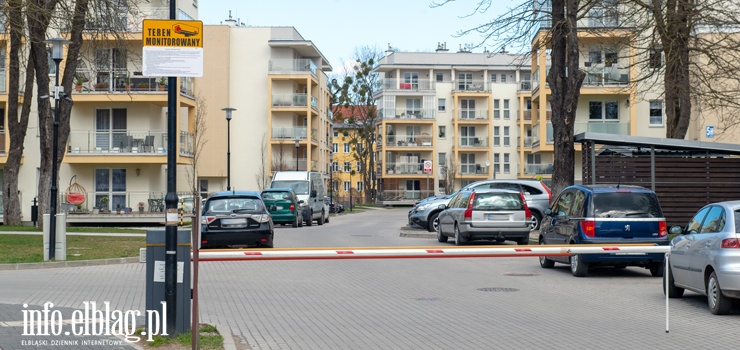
(460, 60)
(278, 189)
(659, 143)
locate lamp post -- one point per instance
(297, 144)
(57, 46)
(330, 141)
(228, 111)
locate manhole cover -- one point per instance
(427, 300)
(522, 274)
(498, 289)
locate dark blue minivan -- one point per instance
(605, 214)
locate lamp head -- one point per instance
(228, 112)
(57, 47)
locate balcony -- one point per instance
(524, 86)
(404, 168)
(120, 80)
(187, 86)
(3, 81)
(88, 142)
(392, 84)
(537, 169)
(615, 128)
(403, 113)
(289, 133)
(423, 140)
(472, 114)
(473, 169)
(187, 144)
(550, 138)
(131, 21)
(527, 115)
(2, 143)
(472, 86)
(293, 100)
(292, 66)
(527, 141)
(290, 164)
(403, 196)
(473, 142)
(601, 74)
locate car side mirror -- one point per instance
(301, 201)
(547, 211)
(442, 206)
(313, 194)
(675, 230)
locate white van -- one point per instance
(309, 186)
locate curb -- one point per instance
(73, 263)
(227, 336)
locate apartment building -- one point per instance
(118, 141)
(276, 81)
(462, 111)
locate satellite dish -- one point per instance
(488, 163)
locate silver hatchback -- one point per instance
(485, 214)
(705, 256)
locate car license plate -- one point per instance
(279, 208)
(496, 217)
(240, 221)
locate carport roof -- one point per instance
(660, 143)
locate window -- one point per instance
(467, 136)
(467, 163)
(413, 106)
(410, 80)
(507, 166)
(360, 186)
(506, 136)
(465, 81)
(656, 112)
(497, 136)
(334, 166)
(506, 109)
(442, 158)
(359, 166)
(442, 131)
(655, 60)
(334, 147)
(347, 166)
(111, 131)
(111, 185)
(496, 109)
(203, 188)
(493, 77)
(440, 77)
(441, 104)
(467, 109)
(611, 110)
(346, 147)
(346, 186)
(358, 148)
(336, 134)
(496, 164)
(335, 186)
(503, 78)
(594, 110)
(610, 58)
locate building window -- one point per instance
(465, 80)
(503, 78)
(496, 109)
(360, 186)
(507, 166)
(359, 167)
(413, 106)
(346, 147)
(441, 104)
(442, 158)
(497, 136)
(610, 58)
(336, 133)
(507, 114)
(410, 80)
(467, 163)
(493, 77)
(594, 56)
(594, 110)
(440, 77)
(346, 186)
(611, 111)
(496, 164)
(334, 147)
(655, 60)
(334, 166)
(506, 136)
(442, 131)
(335, 186)
(656, 113)
(467, 109)
(347, 166)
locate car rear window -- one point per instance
(737, 221)
(276, 195)
(497, 201)
(229, 204)
(626, 205)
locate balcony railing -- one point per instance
(535, 169)
(3, 81)
(289, 133)
(403, 195)
(472, 114)
(187, 143)
(409, 141)
(404, 85)
(404, 168)
(525, 85)
(473, 142)
(125, 20)
(292, 66)
(527, 141)
(187, 86)
(290, 164)
(475, 85)
(120, 80)
(117, 142)
(473, 169)
(601, 74)
(2, 142)
(403, 113)
(290, 100)
(615, 128)
(151, 202)
(527, 114)
(314, 134)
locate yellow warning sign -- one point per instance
(173, 33)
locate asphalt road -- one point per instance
(471, 303)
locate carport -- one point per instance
(684, 174)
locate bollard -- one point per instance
(60, 244)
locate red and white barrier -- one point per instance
(425, 252)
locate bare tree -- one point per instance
(261, 176)
(450, 172)
(199, 141)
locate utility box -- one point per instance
(60, 237)
(155, 275)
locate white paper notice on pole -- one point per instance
(427, 167)
(172, 62)
(159, 270)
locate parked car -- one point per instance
(705, 256)
(537, 194)
(284, 206)
(334, 207)
(605, 214)
(485, 214)
(236, 218)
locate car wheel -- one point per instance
(545, 263)
(320, 221)
(523, 241)
(459, 239)
(441, 238)
(673, 291)
(536, 221)
(577, 267)
(718, 303)
(295, 222)
(656, 269)
(433, 222)
(309, 221)
(326, 219)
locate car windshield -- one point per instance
(299, 187)
(233, 204)
(626, 205)
(497, 201)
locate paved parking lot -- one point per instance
(474, 303)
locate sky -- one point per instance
(338, 27)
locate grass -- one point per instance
(209, 340)
(29, 248)
(74, 229)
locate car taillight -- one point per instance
(527, 212)
(207, 220)
(292, 207)
(588, 228)
(730, 243)
(549, 193)
(469, 209)
(662, 229)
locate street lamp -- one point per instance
(228, 146)
(330, 141)
(297, 144)
(57, 46)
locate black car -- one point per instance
(236, 218)
(334, 207)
